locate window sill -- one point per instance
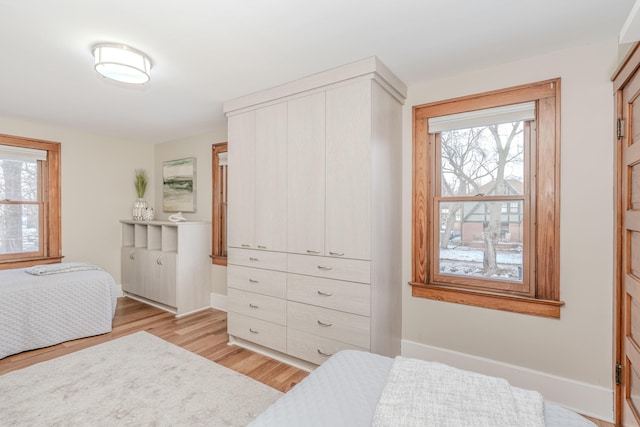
(28, 262)
(516, 304)
(219, 260)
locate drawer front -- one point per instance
(257, 259)
(313, 348)
(336, 325)
(258, 331)
(265, 282)
(351, 270)
(335, 294)
(259, 306)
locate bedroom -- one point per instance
(111, 132)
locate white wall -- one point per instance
(198, 146)
(578, 346)
(97, 188)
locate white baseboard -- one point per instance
(587, 399)
(219, 301)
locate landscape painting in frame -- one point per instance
(179, 185)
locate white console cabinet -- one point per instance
(167, 264)
(315, 224)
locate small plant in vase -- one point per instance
(140, 206)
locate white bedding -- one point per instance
(39, 311)
(345, 390)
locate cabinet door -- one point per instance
(348, 169)
(271, 178)
(241, 185)
(306, 175)
(130, 270)
(160, 278)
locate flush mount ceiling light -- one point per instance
(122, 63)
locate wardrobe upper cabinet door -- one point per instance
(271, 178)
(306, 175)
(241, 185)
(348, 169)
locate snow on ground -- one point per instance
(466, 261)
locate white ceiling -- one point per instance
(208, 51)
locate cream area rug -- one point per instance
(135, 380)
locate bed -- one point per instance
(49, 304)
(346, 391)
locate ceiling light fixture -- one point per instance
(121, 63)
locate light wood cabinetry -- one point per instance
(257, 185)
(328, 183)
(167, 264)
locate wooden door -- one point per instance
(628, 217)
(241, 185)
(271, 178)
(306, 175)
(348, 169)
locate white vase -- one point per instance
(139, 207)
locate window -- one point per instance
(486, 200)
(219, 219)
(29, 202)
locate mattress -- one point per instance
(39, 311)
(345, 390)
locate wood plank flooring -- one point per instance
(203, 333)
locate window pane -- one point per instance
(486, 160)
(19, 229)
(18, 180)
(482, 240)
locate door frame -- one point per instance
(627, 69)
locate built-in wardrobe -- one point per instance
(314, 215)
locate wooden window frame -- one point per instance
(544, 272)
(50, 230)
(219, 245)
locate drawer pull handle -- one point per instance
(324, 324)
(253, 305)
(336, 253)
(309, 251)
(324, 294)
(253, 281)
(322, 353)
(324, 267)
(262, 247)
(253, 332)
(244, 245)
(253, 259)
(159, 260)
(132, 256)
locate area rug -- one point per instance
(137, 380)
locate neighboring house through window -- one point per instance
(219, 219)
(29, 202)
(486, 200)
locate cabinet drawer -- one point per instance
(258, 331)
(351, 270)
(336, 294)
(259, 306)
(266, 282)
(313, 348)
(257, 259)
(337, 325)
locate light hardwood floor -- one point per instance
(204, 333)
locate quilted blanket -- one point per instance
(419, 393)
(42, 310)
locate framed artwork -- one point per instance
(179, 185)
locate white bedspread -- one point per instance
(419, 393)
(39, 311)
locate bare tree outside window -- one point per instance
(481, 201)
(20, 207)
